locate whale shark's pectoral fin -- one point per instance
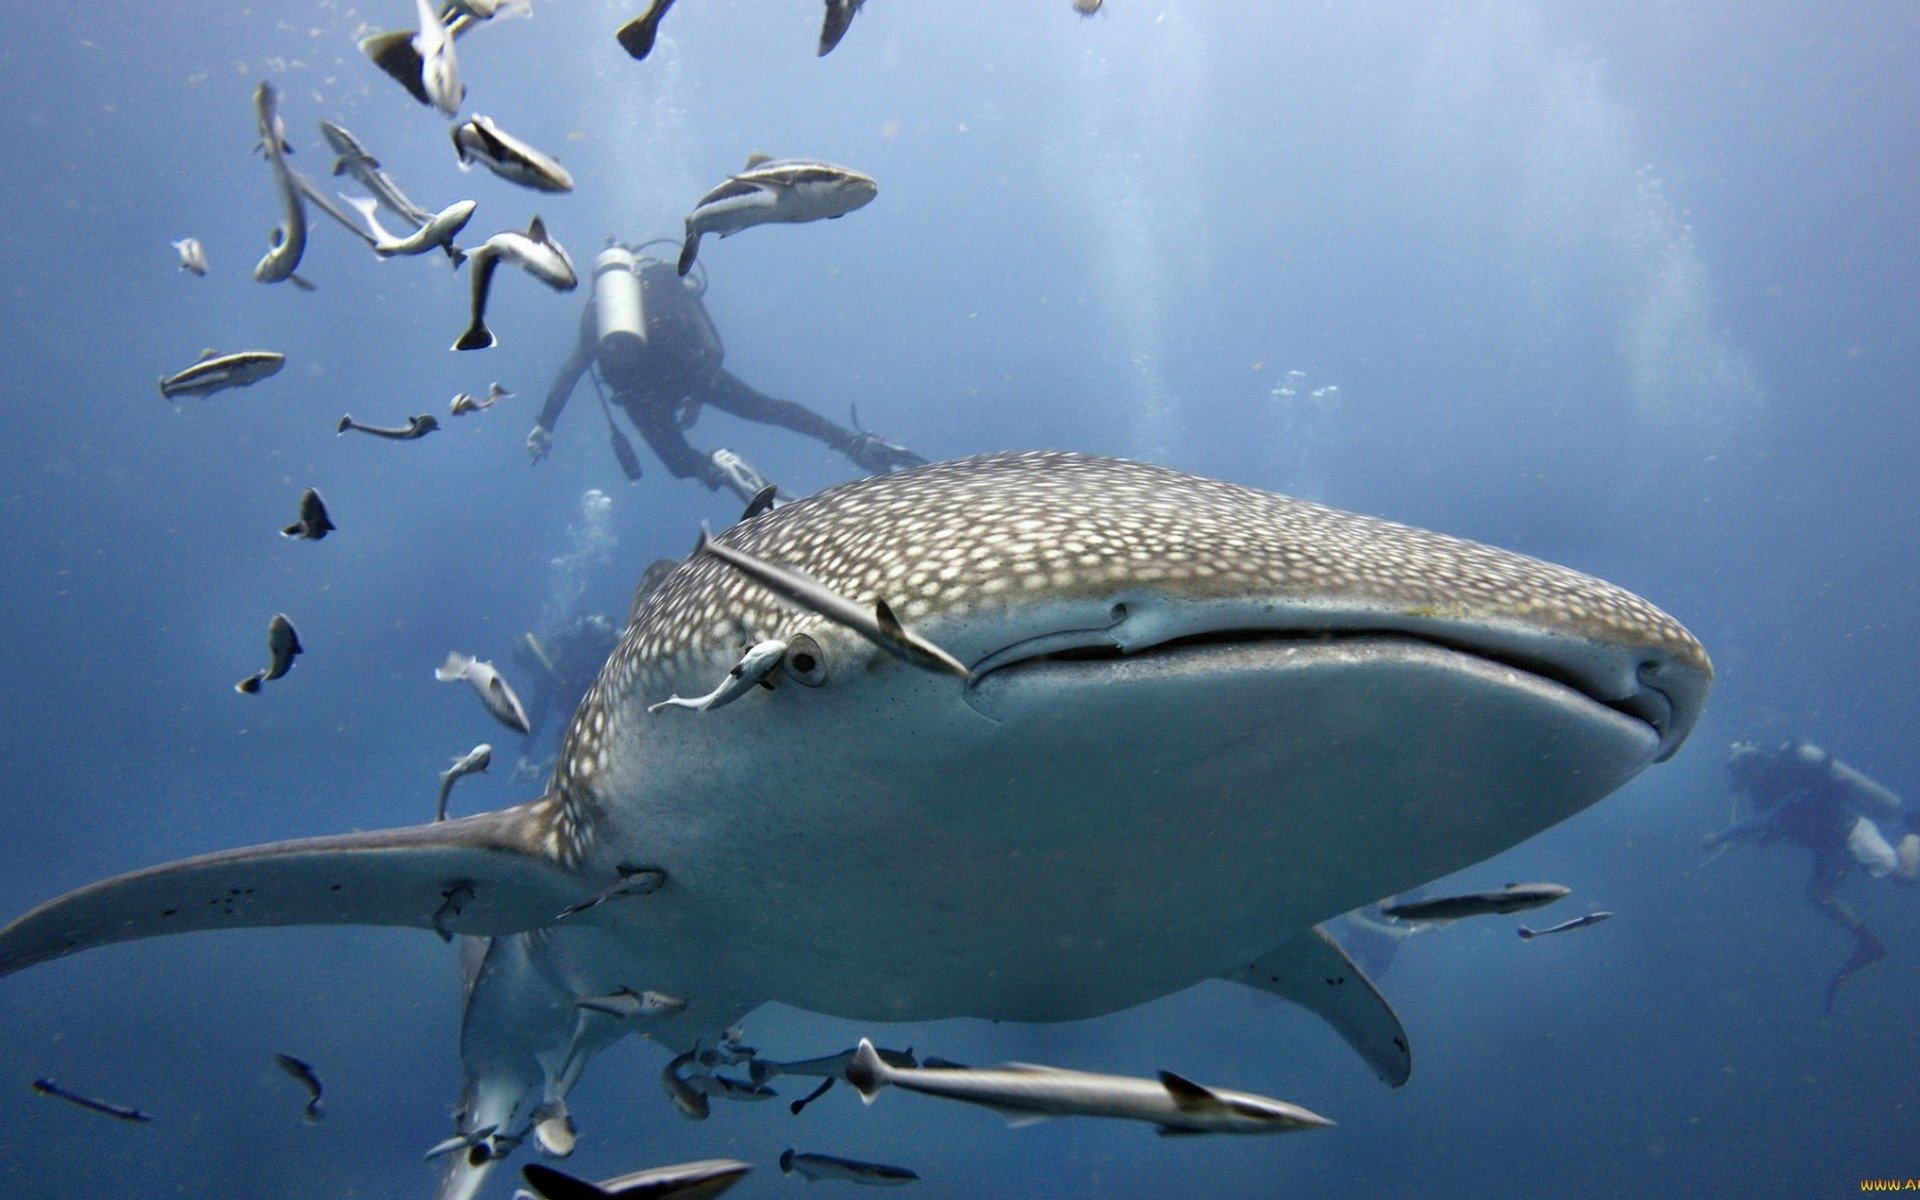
(1314, 972)
(490, 874)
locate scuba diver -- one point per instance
(1800, 792)
(649, 336)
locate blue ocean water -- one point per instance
(1629, 287)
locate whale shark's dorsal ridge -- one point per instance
(1199, 719)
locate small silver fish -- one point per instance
(685, 1181)
(479, 139)
(731, 1089)
(534, 252)
(775, 191)
(437, 233)
(288, 242)
(831, 1066)
(472, 762)
(417, 426)
(1592, 918)
(283, 646)
(489, 685)
(303, 1074)
(688, 1100)
(625, 1004)
(1035, 1093)
(215, 372)
(815, 1168)
(352, 159)
(752, 669)
(439, 65)
(1515, 897)
(464, 403)
(314, 523)
(193, 256)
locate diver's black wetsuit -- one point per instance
(1803, 794)
(663, 390)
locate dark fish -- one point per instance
(119, 1112)
(686, 1181)
(636, 36)
(633, 881)
(314, 523)
(283, 646)
(416, 427)
(303, 1074)
(817, 1167)
(838, 19)
(1515, 897)
(1592, 918)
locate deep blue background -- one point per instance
(1628, 286)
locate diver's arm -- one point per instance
(1755, 830)
(567, 378)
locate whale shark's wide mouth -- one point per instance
(1638, 682)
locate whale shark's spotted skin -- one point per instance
(945, 539)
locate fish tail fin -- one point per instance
(304, 284)
(867, 1072)
(496, 392)
(688, 250)
(477, 337)
(455, 254)
(454, 668)
(346, 423)
(760, 1070)
(1528, 934)
(786, 1161)
(487, 875)
(250, 686)
(291, 531)
(558, 1185)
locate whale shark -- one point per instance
(1194, 720)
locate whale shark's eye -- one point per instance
(806, 663)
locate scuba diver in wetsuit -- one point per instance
(649, 335)
(1800, 792)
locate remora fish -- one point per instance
(325, 204)
(535, 253)
(463, 402)
(636, 36)
(507, 156)
(119, 1112)
(314, 522)
(193, 256)
(489, 685)
(1126, 622)
(215, 372)
(472, 762)
(439, 65)
(752, 669)
(1592, 918)
(303, 1074)
(289, 238)
(1515, 897)
(437, 233)
(351, 158)
(836, 23)
(817, 1167)
(775, 190)
(628, 1006)
(418, 426)
(686, 1181)
(831, 1066)
(1027, 1092)
(283, 646)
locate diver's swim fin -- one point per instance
(1312, 970)
(1867, 950)
(487, 874)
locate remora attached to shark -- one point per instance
(1201, 719)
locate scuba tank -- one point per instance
(620, 311)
